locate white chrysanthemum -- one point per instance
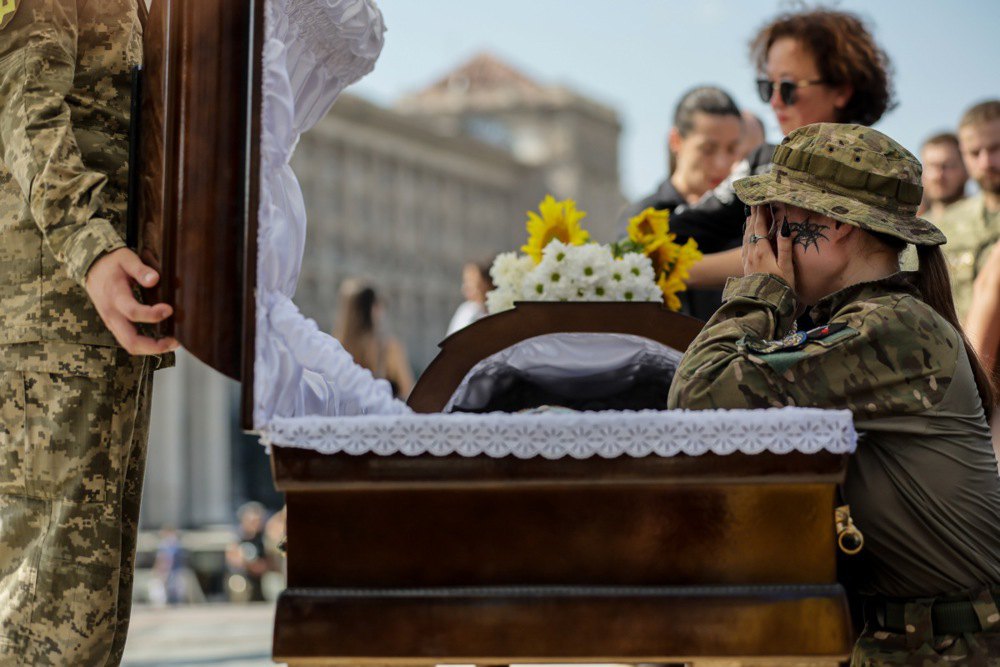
(499, 300)
(553, 278)
(633, 279)
(556, 251)
(591, 264)
(639, 266)
(509, 269)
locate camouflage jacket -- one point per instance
(971, 232)
(65, 72)
(923, 484)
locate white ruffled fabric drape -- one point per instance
(313, 49)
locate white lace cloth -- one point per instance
(578, 435)
(312, 50)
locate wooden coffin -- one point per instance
(196, 180)
(478, 560)
(493, 561)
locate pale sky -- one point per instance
(639, 56)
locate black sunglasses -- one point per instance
(786, 89)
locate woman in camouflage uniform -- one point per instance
(825, 231)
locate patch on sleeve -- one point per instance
(825, 335)
(7, 10)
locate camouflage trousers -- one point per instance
(920, 647)
(73, 426)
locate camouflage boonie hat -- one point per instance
(850, 173)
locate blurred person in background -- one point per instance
(476, 282)
(754, 134)
(973, 229)
(972, 226)
(273, 581)
(246, 560)
(360, 329)
(173, 580)
(815, 66)
(703, 145)
(983, 327)
(944, 174)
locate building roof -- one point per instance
(486, 83)
(484, 72)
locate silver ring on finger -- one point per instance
(755, 237)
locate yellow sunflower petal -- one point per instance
(558, 220)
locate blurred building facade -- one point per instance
(403, 196)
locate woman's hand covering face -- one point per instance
(759, 256)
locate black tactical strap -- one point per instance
(951, 617)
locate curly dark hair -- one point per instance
(845, 53)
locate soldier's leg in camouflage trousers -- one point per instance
(131, 495)
(67, 420)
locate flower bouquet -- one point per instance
(560, 263)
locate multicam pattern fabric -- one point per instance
(919, 646)
(971, 232)
(850, 173)
(868, 366)
(73, 425)
(65, 82)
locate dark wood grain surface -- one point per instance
(197, 154)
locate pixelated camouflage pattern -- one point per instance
(971, 232)
(65, 86)
(850, 173)
(7, 10)
(920, 647)
(73, 425)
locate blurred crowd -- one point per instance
(249, 567)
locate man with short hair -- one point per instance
(973, 225)
(944, 174)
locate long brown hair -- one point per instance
(355, 325)
(935, 288)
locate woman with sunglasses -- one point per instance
(827, 226)
(817, 66)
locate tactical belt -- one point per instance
(948, 616)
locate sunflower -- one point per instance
(558, 220)
(672, 280)
(650, 228)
